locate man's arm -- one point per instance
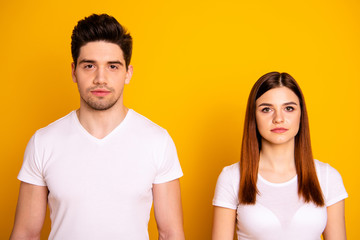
(168, 210)
(335, 226)
(30, 212)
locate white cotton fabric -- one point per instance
(278, 213)
(100, 188)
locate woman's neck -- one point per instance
(277, 162)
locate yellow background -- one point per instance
(195, 63)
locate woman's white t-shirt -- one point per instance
(278, 213)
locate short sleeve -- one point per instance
(226, 191)
(168, 165)
(335, 187)
(31, 170)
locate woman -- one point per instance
(277, 191)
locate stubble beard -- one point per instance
(99, 103)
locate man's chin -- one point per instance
(100, 106)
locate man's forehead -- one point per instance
(101, 51)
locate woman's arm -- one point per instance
(223, 223)
(335, 226)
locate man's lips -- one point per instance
(279, 130)
(100, 92)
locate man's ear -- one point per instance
(129, 74)
(73, 68)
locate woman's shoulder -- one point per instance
(232, 170)
(227, 187)
(230, 175)
(233, 166)
(324, 169)
(331, 183)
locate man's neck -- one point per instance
(100, 123)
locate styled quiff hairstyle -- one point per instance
(308, 184)
(100, 28)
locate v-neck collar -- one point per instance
(104, 139)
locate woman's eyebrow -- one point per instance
(290, 103)
(265, 104)
(269, 104)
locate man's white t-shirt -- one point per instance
(278, 213)
(100, 188)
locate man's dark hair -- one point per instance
(100, 28)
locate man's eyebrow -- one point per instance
(86, 61)
(116, 62)
(93, 61)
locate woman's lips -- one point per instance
(279, 130)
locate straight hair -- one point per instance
(308, 184)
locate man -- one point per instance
(100, 166)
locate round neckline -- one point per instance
(282, 184)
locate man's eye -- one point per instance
(289, 108)
(113, 67)
(89, 66)
(265, 110)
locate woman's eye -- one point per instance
(265, 110)
(289, 108)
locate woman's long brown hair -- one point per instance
(308, 184)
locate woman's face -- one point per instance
(278, 115)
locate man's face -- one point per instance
(100, 75)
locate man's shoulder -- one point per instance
(57, 126)
(144, 125)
